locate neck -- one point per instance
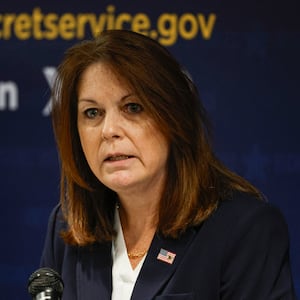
(139, 223)
(138, 217)
(138, 213)
(139, 210)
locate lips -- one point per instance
(117, 157)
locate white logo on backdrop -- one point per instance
(9, 96)
(50, 74)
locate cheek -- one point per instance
(88, 143)
(157, 147)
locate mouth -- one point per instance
(118, 157)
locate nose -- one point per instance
(111, 126)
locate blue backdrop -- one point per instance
(243, 56)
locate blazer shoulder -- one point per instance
(242, 206)
(257, 240)
(54, 246)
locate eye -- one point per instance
(133, 108)
(91, 113)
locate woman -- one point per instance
(147, 211)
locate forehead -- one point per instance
(97, 71)
(101, 77)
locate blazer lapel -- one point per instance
(94, 266)
(156, 272)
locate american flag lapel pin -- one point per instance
(166, 256)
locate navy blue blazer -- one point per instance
(241, 252)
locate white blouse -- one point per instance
(123, 276)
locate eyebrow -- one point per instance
(92, 101)
(87, 100)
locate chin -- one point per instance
(119, 186)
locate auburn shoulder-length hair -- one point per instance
(196, 179)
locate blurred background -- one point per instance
(242, 55)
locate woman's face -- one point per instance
(122, 145)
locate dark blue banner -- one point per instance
(243, 56)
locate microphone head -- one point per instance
(45, 278)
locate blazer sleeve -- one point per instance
(256, 260)
(54, 247)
